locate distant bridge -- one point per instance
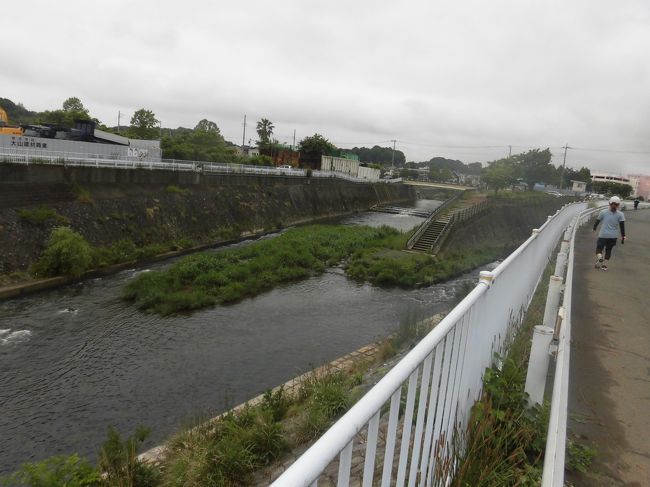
(457, 187)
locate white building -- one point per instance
(604, 177)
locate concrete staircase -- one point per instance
(438, 228)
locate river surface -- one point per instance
(77, 359)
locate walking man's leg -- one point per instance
(600, 244)
(609, 245)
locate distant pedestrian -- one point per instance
(636, 203)
(612, 219)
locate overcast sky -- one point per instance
(461, 78)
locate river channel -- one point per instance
(77, 359)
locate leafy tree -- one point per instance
(143, 124)
(535, 166)
(72, 110)
(204, 143)
(53, 117)
(316, 146)
(73, 107)
(501, 174)
(207, 126)
(379, 155)
(583, 174)
(611, 188)
(264, 131)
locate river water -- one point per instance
(77, 359)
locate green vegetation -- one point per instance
(82, 194)
(315, 146)
(228, 451)
(173, 189)
(13, 278)
(203, 143)
(373, 255)
(66, 254)
(118, 467)
(609, 188)
(42, 214)
(394, 268)
(228, 276)
(70, 471)
(119, 464)
(530, 168)
(379, 155)
(505, 438)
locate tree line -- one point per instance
(531, 168)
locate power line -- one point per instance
(616, 151)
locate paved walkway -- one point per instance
(609, 402)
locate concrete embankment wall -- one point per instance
(506, 224)
(108, 205)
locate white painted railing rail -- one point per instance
(442, 374)
(104, 161)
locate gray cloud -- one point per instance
(444, 78)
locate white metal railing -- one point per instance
(105, 161)
(443, 374)
(554, 457)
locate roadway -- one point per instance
(609, 398)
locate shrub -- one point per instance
(173, 189)
(66, 254)
(42, 215)
(260, 160)
(56, 471)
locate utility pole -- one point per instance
(119, 114)
(509, 151)
(294, 139)
(566, 146)
(392, 161)
(243, 138)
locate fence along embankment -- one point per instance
(442, 374)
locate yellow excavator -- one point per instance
(5, 128)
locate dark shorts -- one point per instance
(605, 243)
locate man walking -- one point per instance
(612, 219)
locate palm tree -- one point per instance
(265, 130)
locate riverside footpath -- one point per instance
(609, 399)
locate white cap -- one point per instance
(615, 199)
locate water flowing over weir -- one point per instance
(77, 359)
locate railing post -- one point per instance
(538, 364)
(486, 277)
(560, 263)
(552, 301)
